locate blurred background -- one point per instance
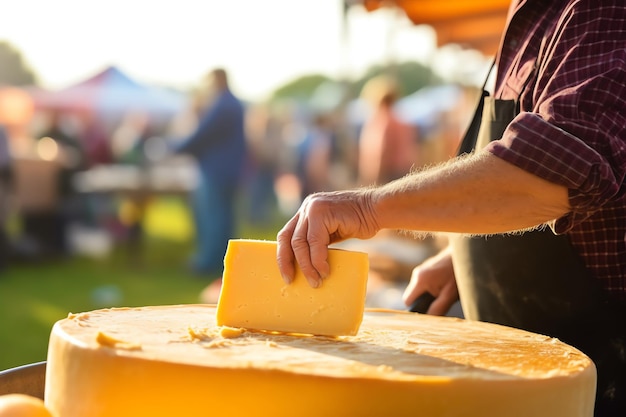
(94, 207)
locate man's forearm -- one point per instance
(476, 194)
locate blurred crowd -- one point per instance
(49, 159)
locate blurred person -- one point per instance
(6, 183)
(387, 145)
(72, 153)
(264, 149)
(315, 153)
(6, 171)
(95, 137)
(128, 147)
(48, 226)
(219, 146)
(129, 138)
(291, 125)
(536, 198)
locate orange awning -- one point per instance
(473, 24)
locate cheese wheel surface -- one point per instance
(165, 361)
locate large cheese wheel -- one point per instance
(175, 361)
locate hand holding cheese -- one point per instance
(254, 296)
(323, 218)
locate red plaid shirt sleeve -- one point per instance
(571, 129)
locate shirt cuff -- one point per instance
(543, 149)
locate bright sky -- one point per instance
(262, 43)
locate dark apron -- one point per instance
(537, 282)
(533, 280)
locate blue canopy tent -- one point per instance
(104, 101)
(110, 94)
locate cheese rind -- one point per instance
(400, 364)
(254, 296)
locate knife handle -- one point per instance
(421, 303)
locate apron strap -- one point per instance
(468, 142)
(469, 139)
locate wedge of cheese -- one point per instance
(254, 296)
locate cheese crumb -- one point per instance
(217, 344)
(198, 334)
(109, 341)
(231, 332)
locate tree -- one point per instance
(13, 69)
(301, 88)
(411, 76)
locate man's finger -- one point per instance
(284, 253)
(318, 239)
(302, 252)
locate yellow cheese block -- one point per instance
(166, 361)
(254, 296)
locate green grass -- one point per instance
(34, 296)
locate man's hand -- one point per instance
(436, 276)
(323, 219)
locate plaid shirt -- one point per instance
(566, 63)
